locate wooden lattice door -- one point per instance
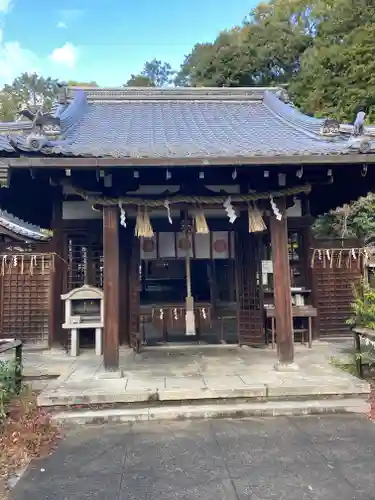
(250, 300)
(85, 259)
(25, 300)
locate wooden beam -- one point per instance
(281, 286)
(111, 288)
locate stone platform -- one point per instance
(195, 374)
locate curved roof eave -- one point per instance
(23, 229)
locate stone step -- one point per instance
(227, 410)
(61, 397)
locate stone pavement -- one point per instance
(198, 373)
(190, 373)
(311, 458)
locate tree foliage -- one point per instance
(363, 307)
(139, 81)
(321, 49)
(33, 90)
(356, 219)
(155, 73)
(27, 90)
(8, 107)
(75, 83)
(337, 71)
(265, 50)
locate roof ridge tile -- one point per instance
(170, 93)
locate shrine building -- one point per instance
(173, 216)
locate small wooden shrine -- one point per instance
(190, 208)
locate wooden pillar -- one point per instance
(281, 285)
(56, 278)
(111, 288)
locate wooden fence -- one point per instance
(25, 296)
(333, 285)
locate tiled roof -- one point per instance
(5, 145)
(16, 127)
(182, 123)
(21, 228)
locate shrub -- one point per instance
(7, 384)
(363, 307)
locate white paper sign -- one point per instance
(267, 267)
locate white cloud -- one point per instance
(5, 5)
(65, 55)
(61, 25)
(14, 60)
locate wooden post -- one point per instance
(281, 285)
(111, 336)
(56, 334)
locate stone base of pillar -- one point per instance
(286, 367)
(109, 375)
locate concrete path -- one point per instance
(311, 458)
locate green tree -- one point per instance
(265, 50)
(194, 63)
(155, 73)
(337, 71)
(356, 219)
(8, 107)
(33, 90)
(228, 62)
(139, 81)
(160, 73)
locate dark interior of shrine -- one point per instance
(165, 281)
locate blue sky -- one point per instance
(106, 40)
